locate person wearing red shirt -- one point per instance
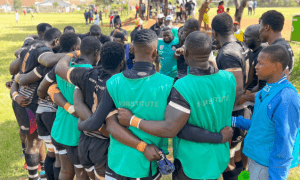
(137, 10)
(221, 7)
(110, 21)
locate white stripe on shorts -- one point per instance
(89, 169)
(32, 167)
(78, 166)
(62, 152)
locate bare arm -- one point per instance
(81, 108)
(50, 59)
(15, 66)
(18, 52)
(58, 98)
(124, 136)
(62, 68)
(169, 128)
(43, 88)
(237, 72)
(31, 77)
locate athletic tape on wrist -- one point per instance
(71, 109)
(135, 121)
(53, 89)
(177, 54)
(70, 55)
(78, 53)
(141, 146)
(14, 95)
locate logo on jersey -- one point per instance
(173, 48)
(161, 47)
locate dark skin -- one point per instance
(31, 77)
(21, 100)
(186, 30)
(252, 40)
(237, 72)
(267, 34)
(15, 66)
(168, 38)
(174, 119)
(43, 88)
(268, 70)
(50, 59)
(117, 29)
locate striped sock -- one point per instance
(32, 161)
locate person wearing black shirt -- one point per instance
(118, 27)
(158, 25)
(90, 84)
(189, 26)
(271, 25)
(27, 100)
(95, 31)
(233, 56)
(252, 40)
(141, 69)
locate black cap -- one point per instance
(117, 19)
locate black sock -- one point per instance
(42, 163)
(32, 161)
(232, 175)
(49, 162)
(23, 148)
(239, 166)
(56, 171)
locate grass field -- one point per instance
(11, 38)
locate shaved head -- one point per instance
(253, 30)
(198, 44)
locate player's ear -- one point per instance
(267, 27)
(154, 54)
(57, 41)
(96, 52)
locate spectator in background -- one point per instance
(227, 11)
(86, 16)
(250, 7)
(221, 7)
(193, 6)
(100, 18)
(96, 22)
(105, 12)
(111, 25)
(238, 33)
(254, 6)
(91, 16)
(143, 9)
(17, 16)
(137, 10)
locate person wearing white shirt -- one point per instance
(250, 7)
(17, 16)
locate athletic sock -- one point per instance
(49, 162)
(42, 163)
(23, 149)
(32, 161)
(239, 166)
(56, 171)
(232, 175)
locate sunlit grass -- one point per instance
(11, 38)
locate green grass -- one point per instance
(11, 38)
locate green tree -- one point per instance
(82, 6)
(32, 7)
(55, 4)
(293, 3)
(17, 5)
(280, 3)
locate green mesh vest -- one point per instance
(211, 99)
(65, 127)
(147, 99)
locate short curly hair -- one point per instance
(222, 24)
(67, 41)
(273, 18)
(277, 53)
(111, 55)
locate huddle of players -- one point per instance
(91, 140)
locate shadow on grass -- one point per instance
(11, 152)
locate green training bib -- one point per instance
(211, 99)
(147, 99)
(65, 127)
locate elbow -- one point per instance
(168, 132)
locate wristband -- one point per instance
(141, 146)
(135, 121)
(176, 54)
(78, 53)
(70, 55)
(14, 95)
(69, 108)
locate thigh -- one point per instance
(83, 151)
(22, 118)
(257, 171)
(72, 152)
